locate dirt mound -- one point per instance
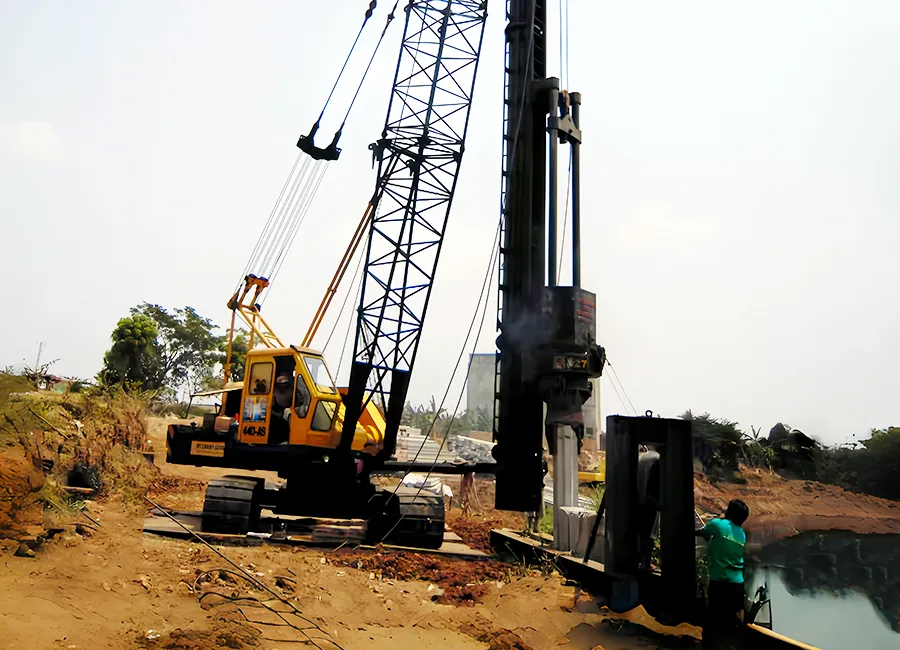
(462, 582)
(782, 507)
(226, 636)
(496, 639)
(165, 484)
(21, 508)
(476, 531)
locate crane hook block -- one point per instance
(307, 145)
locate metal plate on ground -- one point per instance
(157, 523)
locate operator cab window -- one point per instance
(302, 398)
(318, 371)
(323, 416)
(232, 403)
(261, 377)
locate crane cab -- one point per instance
(287, 406)
(289, 398)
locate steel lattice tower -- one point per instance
(419, 155)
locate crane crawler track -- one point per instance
(231, 505)
(421, 520)
(410, 517)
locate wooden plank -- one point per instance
(77, 490)
(775, 637)
(541, 545)
(161, 525)
(454, 549)
(168, 528)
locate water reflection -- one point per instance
(833, 590)
(827, 620)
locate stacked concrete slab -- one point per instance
(473, 450)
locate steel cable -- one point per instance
(492, 267)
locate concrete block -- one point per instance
(573, 529)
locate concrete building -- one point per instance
(592, 421)
(480, 387)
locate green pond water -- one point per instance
(830, 621)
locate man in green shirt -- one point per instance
(725, 558)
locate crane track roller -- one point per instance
(232, 505)
(409, 517)
(422, 521)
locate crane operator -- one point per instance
(281, 410)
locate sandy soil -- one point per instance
(114, 587)
(781, 508)
(119, 588)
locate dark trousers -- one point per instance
(722, 628)
(646, 523)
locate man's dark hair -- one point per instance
(737, 512)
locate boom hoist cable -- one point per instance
(331, 152)
(291, 207)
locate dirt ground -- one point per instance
(121, 589)
(781, 508)
(112, 586)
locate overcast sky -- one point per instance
(741, 210)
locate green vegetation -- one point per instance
(134, 355)
(98, 434)
(10, 383)
(240, 346)
(438, 421)
(160, 350)
(870, 466)
(595, 494)
(545, 523)
(18, 417)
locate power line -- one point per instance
(616, 390)
(492, 267)
(561, 42)
(567, 42)
(481, 306)
(616, 375)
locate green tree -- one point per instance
(717, 441)
(484, 419)
(870, 466)
(880, 463)
(186, 344)
(240, 346)
(133, 357)
(477, 419)
(158, 349)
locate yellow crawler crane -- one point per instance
(287, 415)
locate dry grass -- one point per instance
(101, 430)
